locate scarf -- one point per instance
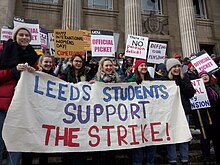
(13, 54)
(108, 78)
(212, 93)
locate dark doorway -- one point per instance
(210, 49)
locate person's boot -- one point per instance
(173, 163)
(184, 163)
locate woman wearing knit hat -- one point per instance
(141, 74)
(16, 57)
(211, 120)
(191, 73)
(186, 92)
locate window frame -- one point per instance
(202, 9)
(158, 10)
(54, 2)
(93, 4)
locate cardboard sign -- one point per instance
(57, 116)
(200, 99)
(156, 53)
(204, 62)
(136, 47)
(87, 40)
(102, 43)
(68, 43)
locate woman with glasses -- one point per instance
(76, 71)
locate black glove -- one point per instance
(138, 82)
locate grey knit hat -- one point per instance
(172, 62)
(16, 29)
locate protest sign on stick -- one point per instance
(136, 46)
(204, 62)
(102, 43)
(156, 53)
(68, 43)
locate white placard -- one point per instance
(156, 53)
(136, 46)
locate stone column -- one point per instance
(187, 27)
(7, 12)
(71, 14)
(133, 24)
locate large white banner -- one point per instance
(50, 115)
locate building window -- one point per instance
(200, 9)
(151, 6)
(45, 1)
(101, 4)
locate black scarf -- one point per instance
(13, 54)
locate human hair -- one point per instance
(101, 63)
(170, 75)
(40, 60)
(81, 71)
(139, 78)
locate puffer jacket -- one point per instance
(8, 82)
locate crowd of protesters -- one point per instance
(18, 56)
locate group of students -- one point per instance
(19, 56)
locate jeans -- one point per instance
(183, 148)
(13, 157)
(139, 153)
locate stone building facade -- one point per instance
(187, 26)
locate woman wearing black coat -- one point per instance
(186, 92)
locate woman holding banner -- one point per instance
(74, 73)
(186, 92)
(16, 57)
(106, 73)
(141, 74)
(210, 120)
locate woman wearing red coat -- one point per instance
(16, 57)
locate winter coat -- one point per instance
(186, 92)
(69, 77)
(10, 57)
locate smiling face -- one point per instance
(205, 78)
(142, 68)
(175, 70)
(23, 38)
(108, 67)
(77, 63)
(46, 63)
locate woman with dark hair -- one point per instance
(17, 56)
(76, 71)
(141, 74)
(211, 120)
